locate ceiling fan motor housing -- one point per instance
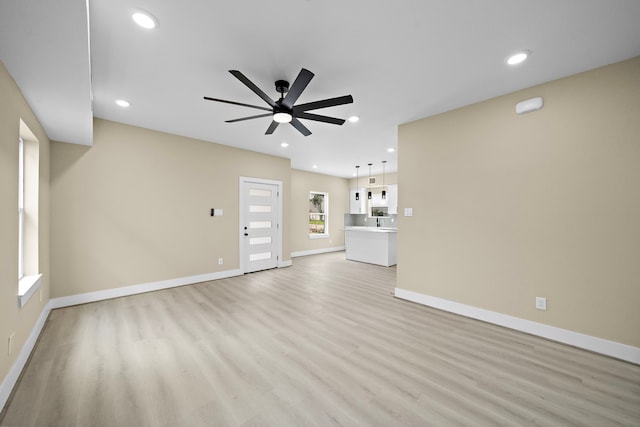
(282, 86)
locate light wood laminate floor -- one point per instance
(321, 343)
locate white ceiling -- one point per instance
(45, 47)
(401, 61)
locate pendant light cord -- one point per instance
(384, 186)
(357, 183)
(369, 184)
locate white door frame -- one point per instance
(242, 212)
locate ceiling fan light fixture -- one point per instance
(282, 117)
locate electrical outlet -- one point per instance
(541, 303)
(220, 261)
(10, 343)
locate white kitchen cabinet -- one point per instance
(357, 206)
(392, 199)
(371, 244)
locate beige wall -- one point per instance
(301, 184)
(20, 321)
(134, 208)
(509, 207)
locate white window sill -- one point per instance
(318, 236)
(27, 286)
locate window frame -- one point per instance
(324, 214)
(21, 211)
(29, 279)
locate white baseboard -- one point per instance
(14, 373)
(587, 342)
(285, 263)
(139, 289)
(317, 251)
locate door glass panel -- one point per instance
(259, 208)
(260, 224)
(259, 193)
(258, 257)
(259, 240)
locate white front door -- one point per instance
(259, 224)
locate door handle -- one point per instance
(246, 234)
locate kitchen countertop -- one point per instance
(372, 229)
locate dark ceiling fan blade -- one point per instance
(272, 127)
(238, 103)
(248, 83)
(299, 85)
(331, 102)
(301, 128)
(249, 118)
(319, 118)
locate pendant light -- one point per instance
(368, 185)
(357, 184)
(384, 191)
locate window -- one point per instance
(318, 214)
(20, 208)
(28, 212)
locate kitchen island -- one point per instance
(373, 245)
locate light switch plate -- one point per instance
(219, 212)
(408, 211)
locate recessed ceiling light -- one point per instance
(391, 149)
(284, 144)
(315, 166)
(519, 57)
(144, 19)
(354, 119)
(122, 103)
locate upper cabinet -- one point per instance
(363, 205)
(358, 206)
(392, 199)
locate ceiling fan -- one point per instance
(284, 110)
